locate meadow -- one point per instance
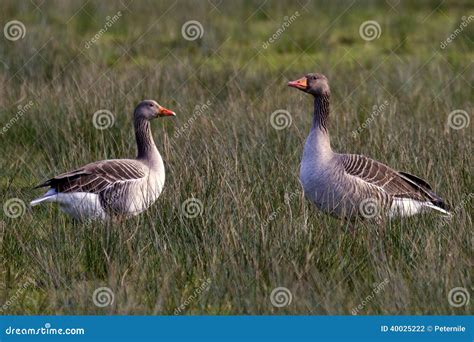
(232, 232)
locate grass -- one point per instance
(255, 232)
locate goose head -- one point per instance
(314, 84)
(149, 110)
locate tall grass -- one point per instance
(248, 239)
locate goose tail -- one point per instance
(49, 196)
(441, 208)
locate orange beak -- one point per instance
(299, 84)
(166, 112)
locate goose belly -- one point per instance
(325, 191)
(139, 202)
(331, 201)
(140, 197)
(81, 205)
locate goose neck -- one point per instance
(319, 131)
(145, 144)
(321, 112)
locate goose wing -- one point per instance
(394, 183)
(96, 177)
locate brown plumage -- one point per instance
(96, 177)
(394, 183)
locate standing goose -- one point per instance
(350, 185)
(116, 187)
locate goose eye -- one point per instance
(150, 105)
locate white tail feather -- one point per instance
(441, 210)
(42, 199)
(407, 207)
(49, 196)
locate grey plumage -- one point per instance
(347, 185)
(118, 186)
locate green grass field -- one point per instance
(255, 232)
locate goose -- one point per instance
(116, 187)
(351, 186)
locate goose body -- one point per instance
(350, 185)
(116, 187)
